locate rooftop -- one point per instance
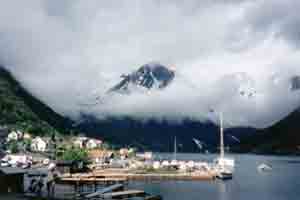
(12, 170)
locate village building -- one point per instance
(14, 136)
(100, 156)
(123, 152)
(11, 180)
(38, 144)
(27, 136)
(16, 159)
(84, 142)
(93, 144)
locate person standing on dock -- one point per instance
(52, 175)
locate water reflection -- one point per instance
(222, 190)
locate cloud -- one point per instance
(68, 52)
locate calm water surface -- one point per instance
(282, 183)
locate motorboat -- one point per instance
(224, 174)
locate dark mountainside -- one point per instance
(20, 110)
(281, 138)
(159, 136)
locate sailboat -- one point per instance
(224, 166)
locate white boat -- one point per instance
(264, 167)
(224, 166)
(224, 174)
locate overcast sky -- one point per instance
(66, 52)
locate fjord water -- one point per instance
(282, 183)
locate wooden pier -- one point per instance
(160, 177)
(114, 187)
(79, 183)
(92, 180)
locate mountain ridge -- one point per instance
(281, 138)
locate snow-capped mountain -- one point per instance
(148, 76)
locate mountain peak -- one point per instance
(295, 83)
(149, 76)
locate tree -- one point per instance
(27, 144)
(75, 155)
(13, 147)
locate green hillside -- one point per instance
(20, 110)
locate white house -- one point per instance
(93, 143)
(38, 144)
(14, 135)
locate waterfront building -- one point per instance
(11, 180)
(93, 143)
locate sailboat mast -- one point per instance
(221, 136)
(175, 149)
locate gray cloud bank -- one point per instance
(68, 52)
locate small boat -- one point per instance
(264, 167)
(153, 197)
(224, 174)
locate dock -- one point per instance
(79, 183)
(123, 175)
(160, 177)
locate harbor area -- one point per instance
(103, 179)
(85, 168)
